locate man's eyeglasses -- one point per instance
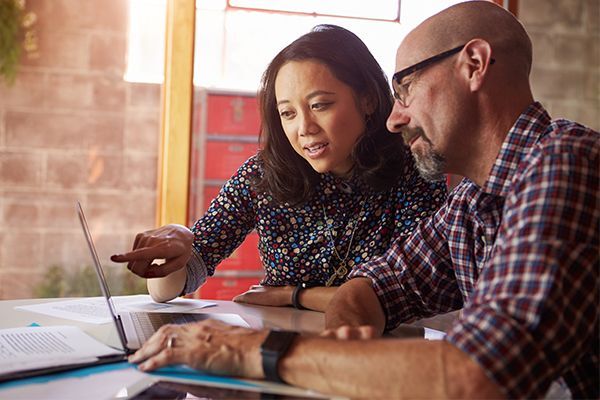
(401, 90)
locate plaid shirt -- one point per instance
(520, 255)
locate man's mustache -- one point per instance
(410, 134)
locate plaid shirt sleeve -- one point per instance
(534, 311)
(414, 278)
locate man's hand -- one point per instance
(355, 304)
(351, 332)
(208, 346)
(173, 243)
(267, 295)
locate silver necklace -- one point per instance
(342, 270)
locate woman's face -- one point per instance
(320, 115)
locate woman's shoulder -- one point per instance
(252, 165)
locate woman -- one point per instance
(330, 189)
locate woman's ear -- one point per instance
(368, 104)
(476, 57)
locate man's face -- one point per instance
(418, 113)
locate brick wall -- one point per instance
(566, 46)
(72, 129)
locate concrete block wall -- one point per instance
(72, 129)
(566, 65)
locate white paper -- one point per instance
(432, 334)
(39, 347)
(175, 305)
(95, 311)
(230, 319)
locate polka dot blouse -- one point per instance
(296, 244)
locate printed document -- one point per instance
(95, 311)
(29, 348)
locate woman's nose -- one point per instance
(307, 125)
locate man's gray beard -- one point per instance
(430, 165)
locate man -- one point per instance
(516, 246)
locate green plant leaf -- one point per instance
(11, 17)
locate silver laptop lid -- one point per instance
(100, 275)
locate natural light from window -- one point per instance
(234, 46)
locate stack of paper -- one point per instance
(29, 350)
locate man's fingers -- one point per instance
(347, 332)
(157, 342)
(367, 332)
(168, 356)
(328, 333)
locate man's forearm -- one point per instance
(355, 303)
(385, 368)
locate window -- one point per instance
(236, 39)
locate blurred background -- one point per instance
(80, 115)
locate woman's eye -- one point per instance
(286, 114)
(319, 106)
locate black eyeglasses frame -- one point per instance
(398, 76)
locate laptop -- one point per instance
(134, 328)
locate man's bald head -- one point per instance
(459, 24)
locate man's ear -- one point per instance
(477, 58)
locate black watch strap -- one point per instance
(296, 297)
(272, 349)
(296, 294)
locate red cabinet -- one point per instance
(224, 158)
(226, 128)
(232, 114)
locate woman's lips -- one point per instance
(315, 150)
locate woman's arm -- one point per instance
(168, 287)
(315, 298)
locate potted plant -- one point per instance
(16, 35)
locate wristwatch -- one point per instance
(296, 294)
(272, 349)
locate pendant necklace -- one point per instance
(342, 270)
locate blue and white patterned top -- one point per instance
(294, 242)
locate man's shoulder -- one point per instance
(565, 147)
(568, 137)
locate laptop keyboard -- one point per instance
(146, 324)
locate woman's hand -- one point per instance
(207, 345)
(267, 295)
(173, 243)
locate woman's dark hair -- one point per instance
(378, 155)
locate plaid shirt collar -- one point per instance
(526, 131)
